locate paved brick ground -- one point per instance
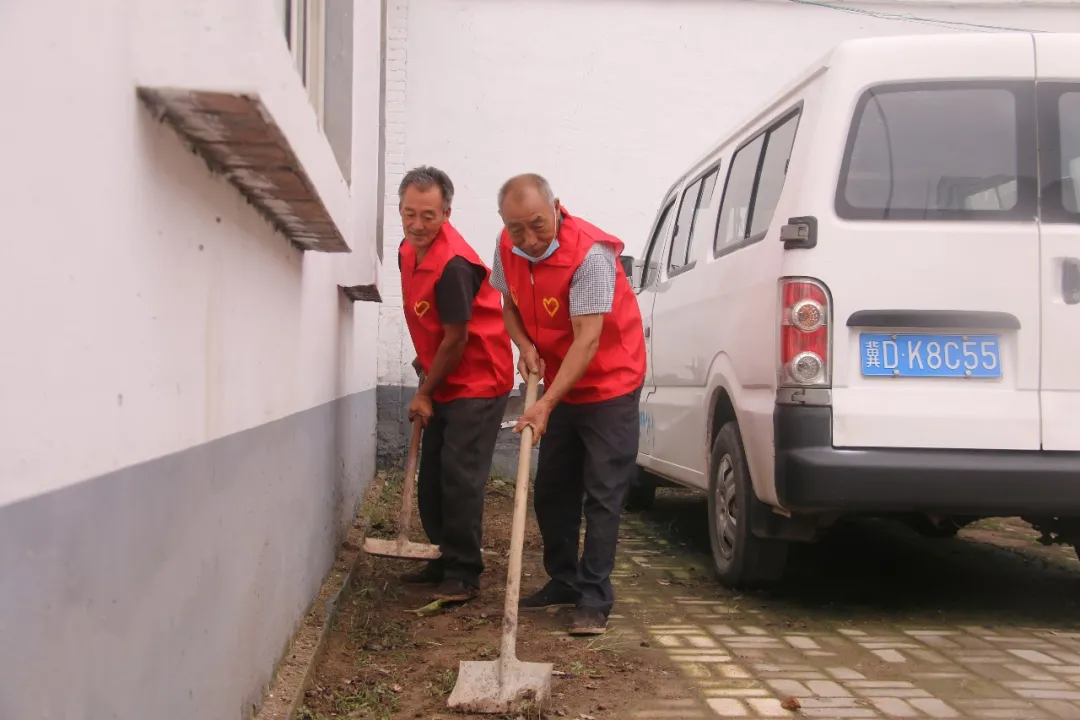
(878, 624)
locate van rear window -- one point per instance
(942, 151)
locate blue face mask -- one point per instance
(547, 253)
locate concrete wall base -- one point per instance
(394, 432)
(169, 588)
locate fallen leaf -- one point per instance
(397, 688)
(791, 704)
(429, 609)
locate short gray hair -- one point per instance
(531, 179)
(426, 177)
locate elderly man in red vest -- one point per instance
(455, 321)
(570, 310)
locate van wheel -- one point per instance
(741, 558)
(642, 491)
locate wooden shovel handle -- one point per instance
(409, 486)
(517, 532)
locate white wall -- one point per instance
(145, 306)
(610, 99)
(187, 402)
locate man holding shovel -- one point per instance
(570, 310)
(455, 322)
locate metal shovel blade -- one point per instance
(485, 687)
(401, 549)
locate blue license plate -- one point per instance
(976, 356)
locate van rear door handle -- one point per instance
(1070, 281)
(648, 330)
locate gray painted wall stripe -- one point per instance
(171, 587)
(393, 430)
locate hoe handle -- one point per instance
(410, 481)
(517, 532)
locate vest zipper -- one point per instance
(536, 309)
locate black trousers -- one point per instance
(455, 460)
(589, 451)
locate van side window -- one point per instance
(940, 151)
(1059, 152)
(733, 225)
(755, 182)
(773, 173)
(1069, 124)
(684, 224)
(651, 265)
(703, 219)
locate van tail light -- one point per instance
(805, 334)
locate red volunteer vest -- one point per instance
(486, 369)
(541, 292)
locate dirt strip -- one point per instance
(384, 661)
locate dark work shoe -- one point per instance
(588, 621)
(432, 574)
(552, 595)
(455, 590)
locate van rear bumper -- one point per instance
(812, 476)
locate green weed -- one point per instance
(442, 684)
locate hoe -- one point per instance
(401, 547)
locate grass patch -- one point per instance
(471, 622)
(442, 684)
(376, 702)
(372, 634)
(379, 515)
(609, 642)
(502, 484)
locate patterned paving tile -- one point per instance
(746, 665)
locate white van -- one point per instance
(866, 300)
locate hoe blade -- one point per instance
(401, 549)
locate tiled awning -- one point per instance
(237, 137)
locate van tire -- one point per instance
(642, 492)
(945, 529)
(741, 558)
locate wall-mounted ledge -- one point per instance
(358, 274)
(237, 136)
(362, 293)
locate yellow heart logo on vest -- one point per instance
(421, 307)
(551, 305)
